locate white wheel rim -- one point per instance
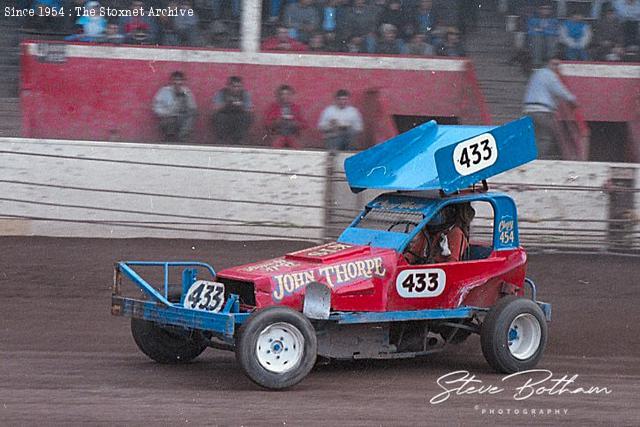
(524, 336)
(280, 347)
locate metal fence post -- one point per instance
(620, 188)
(329, 195)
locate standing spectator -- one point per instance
(629, 13)
(283, 119)
(112, 35)
(176, 108)
(452, 45)
(389, 43)
(340, 123)
(138, 29)
(282, 41)
(302, 18)
(541, 98)
(418, 46)
(186, 24)
(542, 33)
(93, 27)
(607, 35)
(575, 36)
(358, 21)
(232, 118)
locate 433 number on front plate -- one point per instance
(205, 296)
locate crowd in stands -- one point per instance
(410, 27)
(284, 121)
(610, 32)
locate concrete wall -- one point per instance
(120, 190)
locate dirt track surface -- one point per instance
(66, 360)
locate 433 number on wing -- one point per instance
(205, 296)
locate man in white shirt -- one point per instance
(340, 123)
(175, 106)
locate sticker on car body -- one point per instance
(475, 154)
(421, 283)
(205, 296)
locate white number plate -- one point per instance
(205, 296)
(475, 154)
(421, 283)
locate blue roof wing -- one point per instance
(448, 158)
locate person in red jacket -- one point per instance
(284, 120)
(282, 41)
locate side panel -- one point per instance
(450, 285)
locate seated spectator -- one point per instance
(607, 36)
(138, 29)
(316, 43)
(175, 106)
(219, 36)
(542, 34)
(232, 118)
(302, 19)
(282, 41)
(425, 18)
(186, 25)
(356, 45)
(418, 46)
(358, 21)
(340, 123)
(112, 35)
(389, 43)
(452, 45)
(283, 119)
(394, 15)
(93, 27)
(628, 11)
(575, 36)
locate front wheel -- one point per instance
(167, 344)
(276, 347)
(513, 335)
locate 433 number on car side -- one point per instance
(421, 283)
(205, 296)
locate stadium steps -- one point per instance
(489, 46)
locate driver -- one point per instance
(445, 238)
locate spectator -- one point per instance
(607, 36)
(275, 9)
(44, 20)
(219, 36)
(629, 13)
(93, 27)
(216, 7)
(358, 21)
(232, 118)
(282, 41)
(389, 44)
(356, 45)
(316, 43)
(330, 12)
(302, 19)
(542, 33)
(575, 36)
(452, 45)
(167, 34)
(541, 98)
(283, 119)
(185, 25)
(138, 29)
(340, 123)
(112, 35)
(393, 15)
(418, 46)
(176, 108)
(425, 19)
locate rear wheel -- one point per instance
(513, 335)
(277, 347)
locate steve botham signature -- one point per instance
(535, 382)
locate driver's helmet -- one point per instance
(443, 219)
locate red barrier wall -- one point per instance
(100, 92)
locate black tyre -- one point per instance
(167, 344)
(276, 347)
(513, 335)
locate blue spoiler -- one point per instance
(438, 157)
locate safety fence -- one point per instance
(121, 190)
